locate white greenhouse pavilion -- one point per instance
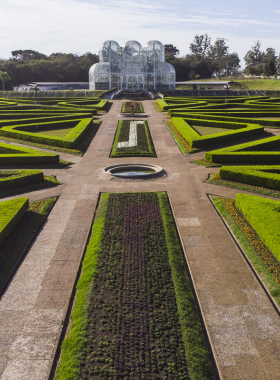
(132, 67)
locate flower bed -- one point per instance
(135, 315)
(133, 139)
(137, 107)
(181, 142)
(262, 259)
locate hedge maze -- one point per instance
(66, 125)
(237, 130)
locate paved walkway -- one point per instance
(243, 326)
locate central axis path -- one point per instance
(243, 326)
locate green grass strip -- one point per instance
(256, 261)
(75, 342)
(195, 345)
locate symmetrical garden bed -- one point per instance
(134, 316)
(250, 231)
(132, 139)
(137, 107)
(187, 128)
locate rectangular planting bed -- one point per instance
(134, 316)
(133, 139)
(137, 107)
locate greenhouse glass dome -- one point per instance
(132, 67)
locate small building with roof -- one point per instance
(132, 67)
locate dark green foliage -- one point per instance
(15, 178)
(125, 322)
(14, 247)
(144, 147)
(263, 151)
(263, 176)
(11, 212)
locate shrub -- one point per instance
(17, 155)
(264, 216)
(197, 141)
(256, 152)
(24, 132)
(14, 178)
(11, 212)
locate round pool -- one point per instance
(133, 170)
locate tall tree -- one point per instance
(217, 53)
(254, 56)
(4, 77)
(200, 45)
(232, 63)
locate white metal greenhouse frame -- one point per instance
(132, 67)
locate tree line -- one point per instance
(206, 59)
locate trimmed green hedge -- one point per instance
(233, 119)
(23, 119)
(257, 175)
(166, 106)
(17, 155)
(14, 178)
(11, 212)
(195, 140)
(24, 132)
(248, 154)
(100, 104)
(264, 216)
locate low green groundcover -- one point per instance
(133, 139)
(134, 314)
(264, 216)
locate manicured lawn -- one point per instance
(54, 132)
(204, 131)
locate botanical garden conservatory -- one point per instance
(132, 67)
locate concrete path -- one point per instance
(243, 326)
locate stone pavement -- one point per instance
(242, 324)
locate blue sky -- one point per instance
(51, 26)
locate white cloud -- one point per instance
(71, 26)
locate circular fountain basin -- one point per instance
(133, 170)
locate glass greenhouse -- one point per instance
(132, 67)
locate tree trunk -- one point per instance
(3, 85)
